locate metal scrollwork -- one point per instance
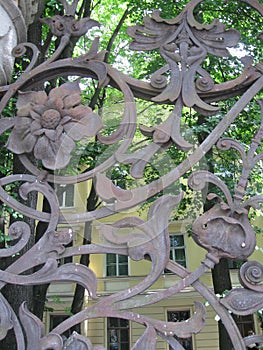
(45, 132)
(251, 275)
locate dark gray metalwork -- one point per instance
(46, 128)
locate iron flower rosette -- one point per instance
(50, 125)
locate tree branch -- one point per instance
(115, 33)
(95, 97)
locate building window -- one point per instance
(116, 265)
(65, 194)
(245, 324)
(177, 249)
(178, 316)
(118, 334)
(55, 320)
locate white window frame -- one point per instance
(117, 267)
(183, 247)
(64, 197)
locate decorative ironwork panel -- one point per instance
(46, 130)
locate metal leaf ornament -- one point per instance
(184, 44)
(243, 301)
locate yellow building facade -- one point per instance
(118, 272)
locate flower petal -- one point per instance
(65, 90)
(54, 155)
(80, 112)
(51, 134)
(21, 140)
(59, 130)
(39, 97)
(39, 132)
(44, 150)
(65, 120)
(55, 103)
(30, 98)
(25, 110)
(87, 126)
(22, 124)
(39, 109)
(13, 144)
(63, 156)
(35, 126)
(28, 142)
(66, 144)
(34, 115)
(72, 100)
(64, 151)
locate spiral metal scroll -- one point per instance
(44, 134)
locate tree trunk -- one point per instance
(222, 282)
(220, 273)
(15, 295)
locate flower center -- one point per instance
(50, 119)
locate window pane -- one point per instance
(117, 265)
(124, 336)
(177, 241)
(113, 336)
(65, 194)
(60, 197)
(111, 258)
(118, 334)
(177, 249)
(179, 254)
(177, 316)
(111, 270)
(124, 323)
(123, 270)
(172, 254)
(245, 324)
(182, 263)
(123, 258)
(113, 322)
(186, 343)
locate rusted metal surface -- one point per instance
(44, 132)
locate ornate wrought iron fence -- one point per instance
(44, 134)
